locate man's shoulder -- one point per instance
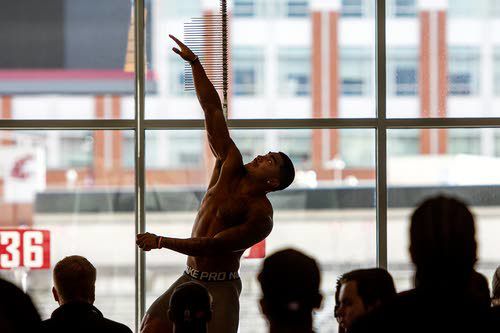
(99, 325)
(114, 326)
(261, 208)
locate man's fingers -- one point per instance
(176, 50)
(176, 40)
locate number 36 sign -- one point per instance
(24, 248)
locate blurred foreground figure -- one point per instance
(74, 290)
(443, 249)
(360, 292)
(495, 285)
(17, 313)
(190, 308)
(290, 291)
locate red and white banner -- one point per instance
(27, 248)
(257, 251)
(23, 173)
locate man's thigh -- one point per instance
(156, 319)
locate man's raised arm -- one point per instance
(217, 132)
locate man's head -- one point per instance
(496, 287)
(361, 291)
(274, 170)
(290, 288)
(442, 241)
(190, 308)
(74, 280)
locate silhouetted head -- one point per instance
(275, 171)
(442, 241)
(74, 280)
(361, 291)
(190, 308)
(495, 286)
(290, 288)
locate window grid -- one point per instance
(380, 124)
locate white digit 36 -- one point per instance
(12, 258)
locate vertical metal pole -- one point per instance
(380, 92)
(140, 66)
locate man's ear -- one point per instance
(55, 294)
(274, 183)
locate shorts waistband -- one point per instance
(211, 276)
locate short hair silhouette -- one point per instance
(287, 172)
(290, 283)
(374, 285)
(442, 239)
(74, 279)
(190, 307)
(495, 284)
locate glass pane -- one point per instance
(72, 186)
(69, 59)
(462, 163)
(327, 212)
(442, 58)
(288, 59)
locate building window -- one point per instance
(402, 8)
(185, 150)
(402, 72)
(294, 71)
(248, 73)
(298, 146)
(297, 8)
(464, 141)
(177, 8)
(467, 8)
(244, 8)
(463, 71)
(355, 71)
(356, 148)
(496, 71)
(76, 149)
(250, 143)
(403, 142)
(354, 8)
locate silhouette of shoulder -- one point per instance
(80, 317)
(420, 311)
(17, 312)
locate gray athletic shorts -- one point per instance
(225, 288)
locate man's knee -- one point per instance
(152, 324)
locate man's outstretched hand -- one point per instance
(184, 51)
(147, 241)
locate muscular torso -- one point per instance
(224, 207)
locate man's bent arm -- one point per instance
(231, 240)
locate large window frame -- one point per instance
(140, 125)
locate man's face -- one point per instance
(351, 305)
(266, 166)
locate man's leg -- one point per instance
(226, 306)
(156, 319)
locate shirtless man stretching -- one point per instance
(234, 215)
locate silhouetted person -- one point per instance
(290, 291)
(443, 249)
(361, 291)
(190, 308)
(495, 300)
(495, 286)
(17, 312)
(74, 290)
